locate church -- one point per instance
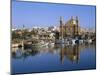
(69, 29)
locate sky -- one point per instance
(36, 14)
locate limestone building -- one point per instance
(69, 29)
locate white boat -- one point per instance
(88, 41)
(38, 43)
(60, 41)
(73, 41)
(51, 44)
(81, 41)
(15, 45)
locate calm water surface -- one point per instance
(54, 58)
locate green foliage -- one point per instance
(16, 35)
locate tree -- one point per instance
(16, 35)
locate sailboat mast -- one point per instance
(61, 27)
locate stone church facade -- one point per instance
(69, 29)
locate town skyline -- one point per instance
(33, 14)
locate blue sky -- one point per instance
(32, 14)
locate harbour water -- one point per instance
(54, 58)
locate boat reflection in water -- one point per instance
(54, 58)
